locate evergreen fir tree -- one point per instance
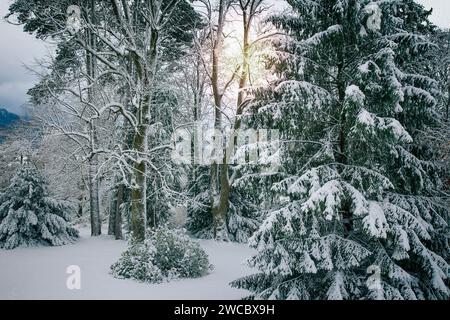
(199, 219)
(362, 198)
(29, 216)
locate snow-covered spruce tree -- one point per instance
(199, 219)
(29, 216)
(363, 215)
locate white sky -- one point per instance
(19, 48)
(441, 11)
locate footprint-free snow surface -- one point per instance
(40, 273)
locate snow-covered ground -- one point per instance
(40, 273)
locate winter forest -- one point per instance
(229, 149)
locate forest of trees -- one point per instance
(354, 96)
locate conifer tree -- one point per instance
(29, 216)
(363, 218)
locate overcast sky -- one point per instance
(19, 49)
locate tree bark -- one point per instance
(118, 219)
(221, 202)
(219, 173)
(94, 202)
(112, 213)
(220, 205)
(139, 189)
(140, 143)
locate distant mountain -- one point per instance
(7, 118)
(7, 122)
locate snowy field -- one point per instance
(40, 273)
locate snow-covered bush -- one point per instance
(28, 216)
(137, 263)
(166, 254)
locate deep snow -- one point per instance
(40, 273)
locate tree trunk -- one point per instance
(220, 205)
(80, 210)
(140, 143)
(118, 219)
(221, 202)
(139, 189)
(80, 206)
(96, 225)
(96, 228)
(112, 213)
(219, 173)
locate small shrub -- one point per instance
(165, 255)
(137, 263)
